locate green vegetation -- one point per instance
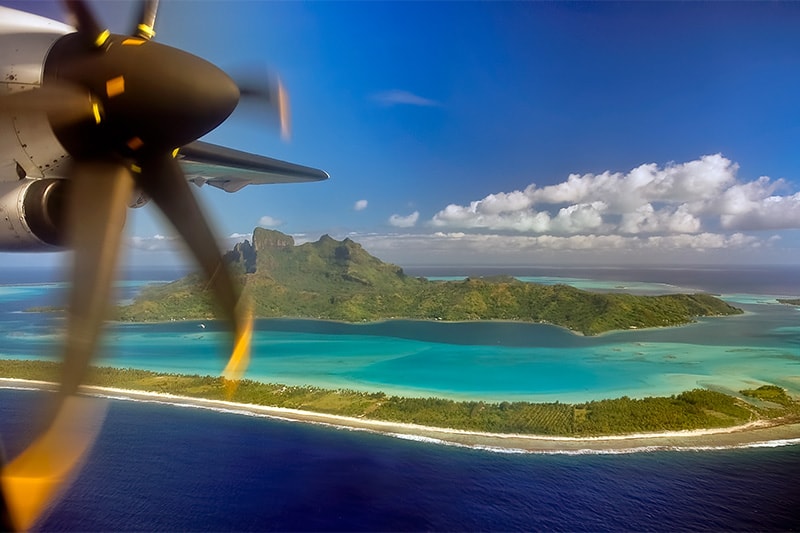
(694, 409)
(789, 301)
(769, 393)
(339, 280)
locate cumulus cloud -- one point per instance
(773, 212)
(687, 198)
(399, 221)
(269, 222)
(674, 184)
(400, 97)
(360, 205)
(646, 219)
(572, 219)
(579, 218)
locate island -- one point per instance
(691, 420)
(789, 301)
(339, 280)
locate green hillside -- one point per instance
(339, 280)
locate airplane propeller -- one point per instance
(121, 105)
(268, 90)
(147, 20)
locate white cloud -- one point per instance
(579, 218)
(677, 199)
(572, 219)
(176, 244)
(675, 183)
(503, 202)
(302, 238)
(400, 97)
(409, 221)
(360, 205)
(233, 239)
(269, 222)
(646, 219)
(500, 242)
(500, 249)
(155, 243)
(773, 212)
(476, 215)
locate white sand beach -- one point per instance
(754, 434)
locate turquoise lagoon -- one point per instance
(484, 361)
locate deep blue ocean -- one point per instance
(161, 467)
(168, 468)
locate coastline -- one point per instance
(761, 433)
(695, 320)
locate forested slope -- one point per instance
(339, 280)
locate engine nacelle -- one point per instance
(32, 215)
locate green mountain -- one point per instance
(339, 280)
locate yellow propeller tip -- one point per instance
(283, 110)
(240, 358)
(32, 482)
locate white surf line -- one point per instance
(383, 426)
(406, 425)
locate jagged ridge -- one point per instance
(340, 280)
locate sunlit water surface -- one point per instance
(486, 360)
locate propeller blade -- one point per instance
(96, 209)
(64, 103)
(269, 90)
(164, 182)
(283, 112)
(147, 20)
(90, 30)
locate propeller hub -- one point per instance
(150, 97)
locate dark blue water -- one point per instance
(167, 468)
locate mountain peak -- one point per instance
(264, 239)
(274, 255)
(340, 280)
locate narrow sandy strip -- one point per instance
(754, 434)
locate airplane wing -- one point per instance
(230, 170)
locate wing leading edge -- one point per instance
(230, 170)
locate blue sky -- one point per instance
(510, 133)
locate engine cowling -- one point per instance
(32, 215)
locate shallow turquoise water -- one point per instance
(488, 360)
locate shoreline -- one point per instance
(694, 320)
(762, 433)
